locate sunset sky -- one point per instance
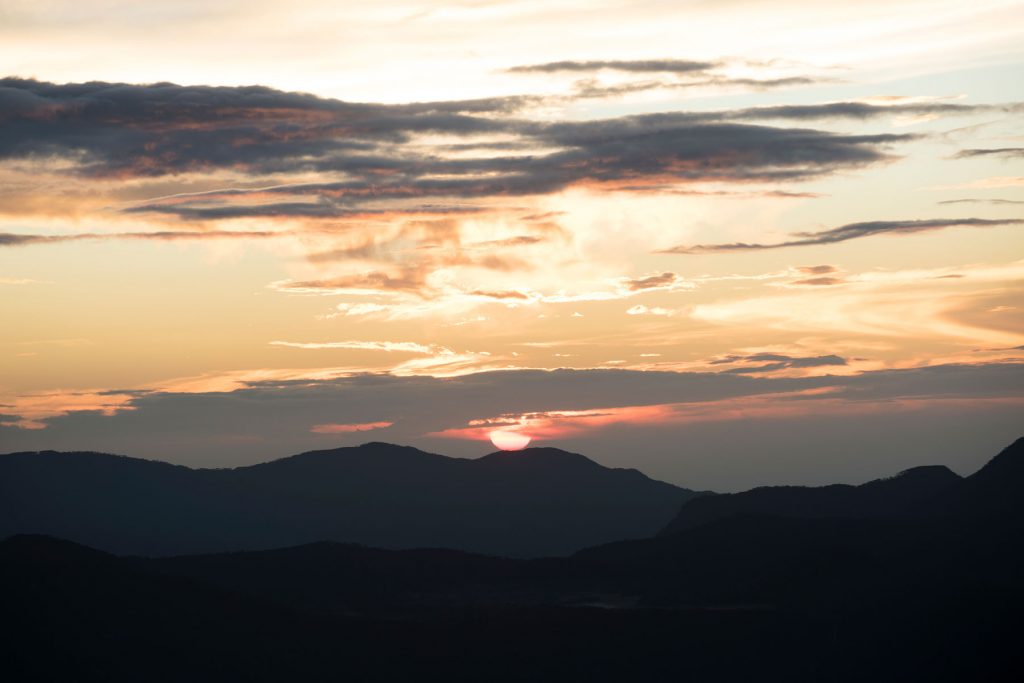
(727, 243)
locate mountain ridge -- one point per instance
(526, 503)
(898, 495)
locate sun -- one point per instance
(509, 441)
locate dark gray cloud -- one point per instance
(110, 129)
(118, 130)
(849, 232)
(630, 150)
(1005, 152)
(322, 207)
(865, 111)
(272, 419)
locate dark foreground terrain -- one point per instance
(916, 578)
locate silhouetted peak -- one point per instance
(55, 454)
(930, 473)
(1005, 467)
(540, 455)
(373, 450)
(385, 446)
(91, 458)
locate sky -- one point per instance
(726, 243)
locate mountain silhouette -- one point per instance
(740, 559)
(535, 502)
(896, 496)
(996, 490)
(915, 539)
(931, 589)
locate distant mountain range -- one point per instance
(917, 577)
(529, 503)
(764, 549)
(906, 494)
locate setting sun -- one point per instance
(509, 441)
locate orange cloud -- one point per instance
(32, 409)
(349, 428)
(550, 425)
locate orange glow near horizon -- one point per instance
(815, 402)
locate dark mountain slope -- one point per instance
(335, 578)
(995, 491)
(528, 503)
(903, 494)
(74, 614)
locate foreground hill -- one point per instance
(540, 501)
(72, 614)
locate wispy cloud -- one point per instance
(658, 281)
(8, 239)
(984, 200)
(640, 309)
(758, 363)
(635, 65)
(335, 428)
(851, 231)
(402, 347)
(1004, 152)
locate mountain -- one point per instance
(932, 590)
(903, 494)
(919, 538)
(535, 502)
(996, 490)
(72, 613)
(741, 559)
